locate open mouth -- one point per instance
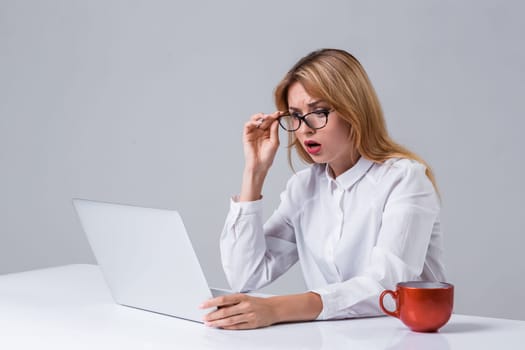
(312, 147)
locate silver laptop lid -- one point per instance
(146, 257)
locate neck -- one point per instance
(338, 169)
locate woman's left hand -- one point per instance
(240, 311)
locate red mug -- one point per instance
(421, 306)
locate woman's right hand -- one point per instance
(261, 141)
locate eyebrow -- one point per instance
(311, 104)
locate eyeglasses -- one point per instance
(314, 120)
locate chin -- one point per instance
(318, 159)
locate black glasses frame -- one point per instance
(302, 118)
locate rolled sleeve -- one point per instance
(254, 253)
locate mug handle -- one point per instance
(393, 294)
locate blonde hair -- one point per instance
(338, 78)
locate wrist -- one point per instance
(252, 183)
(297, 307)
(255, 171)
(278, 307)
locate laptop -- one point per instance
(146, 258)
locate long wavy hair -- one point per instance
(337, 77)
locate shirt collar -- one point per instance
(352, 175)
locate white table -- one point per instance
(70, 307)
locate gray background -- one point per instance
(144, 101)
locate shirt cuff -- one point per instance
(348, 301)
(245, 208)
(329, 304)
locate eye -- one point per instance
(322, 112)
(295, 115)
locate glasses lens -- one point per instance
(289, 123)
(316, 120)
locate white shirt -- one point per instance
(373, 226)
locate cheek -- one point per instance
(339, 125)
(341, 132)
(341, 139)
(345, 132)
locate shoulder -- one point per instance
(308, 176)
(395, 168)
(401, 176)
(304, 184)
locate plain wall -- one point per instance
(143, 102)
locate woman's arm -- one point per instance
(253, 255)
(244, 245)
(260, 144)
(241, 311)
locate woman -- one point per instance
(362, 218)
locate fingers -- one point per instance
(233, 322)
(241, 311)
(263, 121)
(225, 312)
(230, 312)
(238, 316)
(222, 301)
(274, 132)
